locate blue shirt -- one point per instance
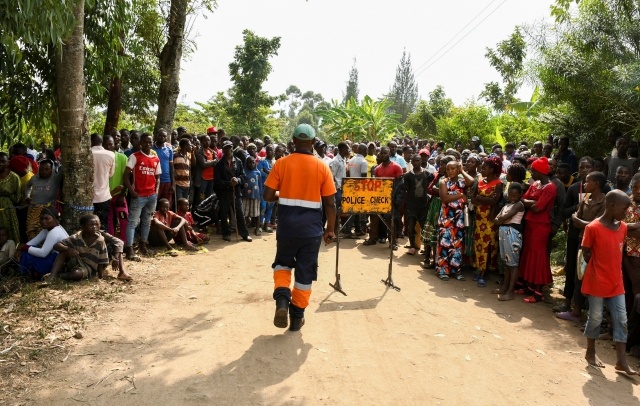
(264, 163)
(399, 160)
(165, 154)
(252, 188)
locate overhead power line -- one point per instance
(465, 36)
(454, 37)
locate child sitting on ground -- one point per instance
(510, 239)
(251, 192)
(602, 247)
(167, 225)
(192, 235)
(85, 253)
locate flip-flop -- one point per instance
(133, 257)
(567, 316)
(482, 283)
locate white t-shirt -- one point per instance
(357, 166)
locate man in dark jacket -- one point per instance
(228, 180)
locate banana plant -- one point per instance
(359, 122)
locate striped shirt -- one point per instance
(182, 168)
(96, 254)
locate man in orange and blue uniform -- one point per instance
(300, 183)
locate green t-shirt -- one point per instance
(118, 173)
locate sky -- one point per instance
(320, 38)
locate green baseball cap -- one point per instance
(304, 132)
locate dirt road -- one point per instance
(198, 330)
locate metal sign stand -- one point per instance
(389, 280)
(337, 285)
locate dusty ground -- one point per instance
(198, 330)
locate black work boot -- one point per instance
(282, 311)
(296, 323)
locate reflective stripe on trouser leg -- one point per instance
(281, 277)
(300, 295)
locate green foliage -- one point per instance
(466, 122)
(508, 60)
(352, 90)
(249, 71)
(118, 42)
(404, 92)
(368, 121)
(588, 67)
(96, 119)
(422, 122)
(25, 23)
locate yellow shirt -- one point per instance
(23, 183)
(371, 161)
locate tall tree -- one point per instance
(249, 70)
(72, 112)
(170, 58)
(508, 60)
(404, 92)
(352, 85)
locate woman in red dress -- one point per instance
(535, 267)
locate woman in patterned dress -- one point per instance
(451, 222)
(430, 229)
(485, 239)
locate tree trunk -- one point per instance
(170, 58)
(74, 132)
(113, 107)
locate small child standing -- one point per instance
(251, 192)
(192, 235)
(510, 239)
(602, 247)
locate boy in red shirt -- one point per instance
(602, 247)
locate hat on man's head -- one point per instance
(227, 144)
(212, 130)
(304, 132)
(371, 143)
(423, 151)
(541, 165)
(251, 145)
(475, 138)
(319, 143)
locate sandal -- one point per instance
(535, 298)
(460, 277)
(394, 247)
(412, 251)
(133, 257)
(482, 283)
(476, 277)
(520, 292)
(443, 277)
(369, 242)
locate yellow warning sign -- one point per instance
(367, 195)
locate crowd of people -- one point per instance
(471, 211)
